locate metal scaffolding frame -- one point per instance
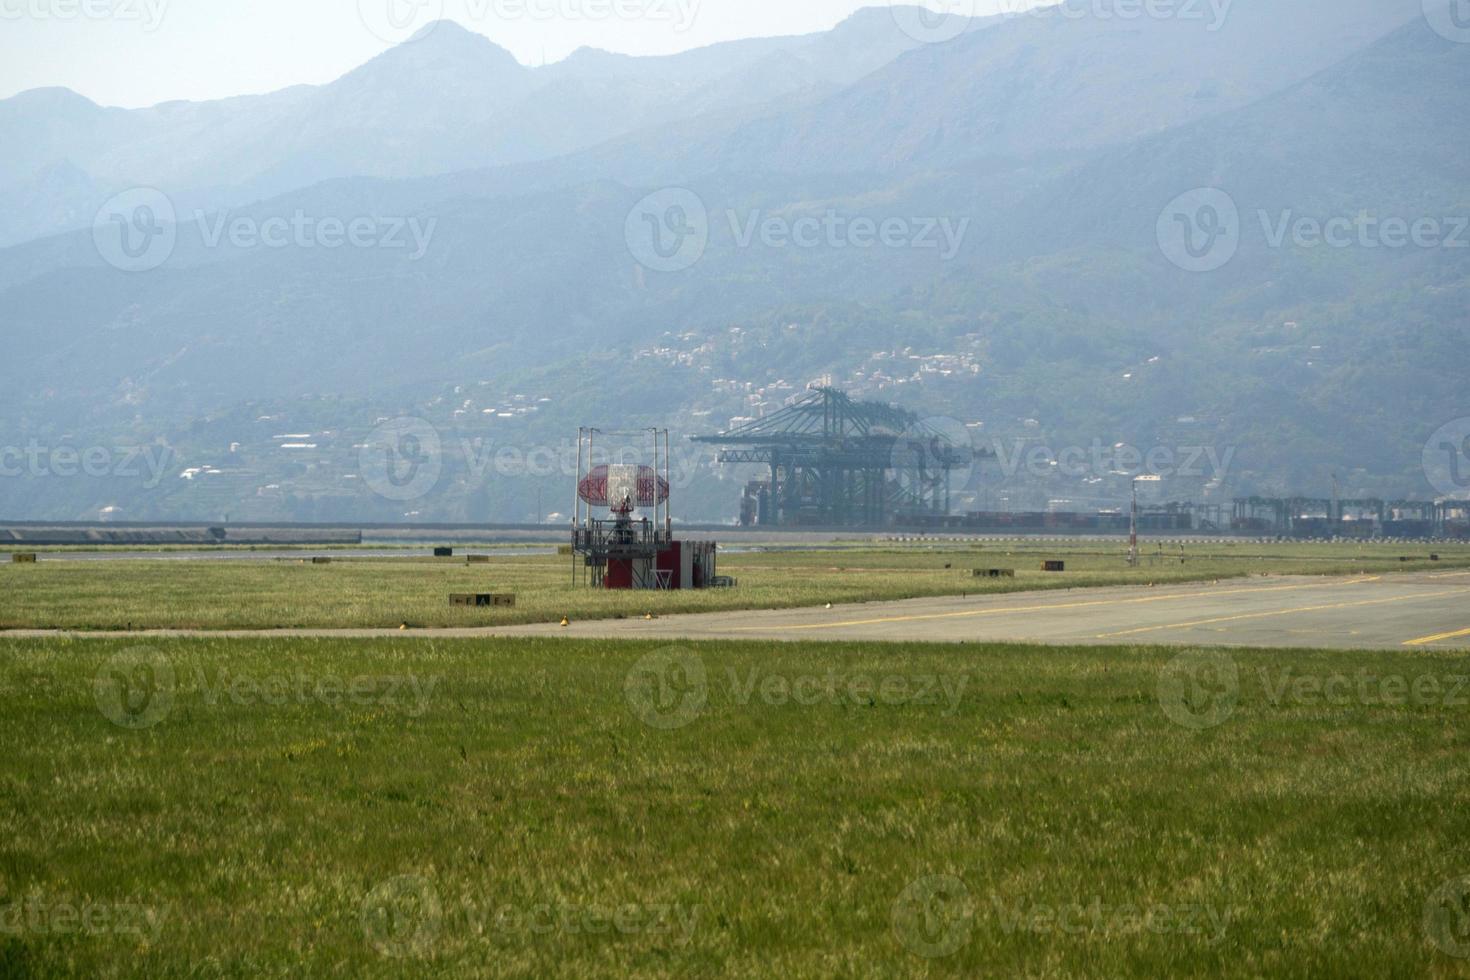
(836, 462)
(1332, 516)
(617, 537)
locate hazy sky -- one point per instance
(141, 52)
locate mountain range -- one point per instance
(1041, 151)
(446, 101)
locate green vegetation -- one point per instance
(388, 593)
(528, 808)
(461, 547)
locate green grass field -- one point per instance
(387, 593)
(538, 808)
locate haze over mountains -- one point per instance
(1025, 168)
(449, 101)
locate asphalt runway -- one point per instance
(1413, 611)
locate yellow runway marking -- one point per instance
(1052, 605)
(1424, 641)
(1283, 612)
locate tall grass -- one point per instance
(388, 593)
(548, 809)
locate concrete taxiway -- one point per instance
(1425, 611)
(1414, 611)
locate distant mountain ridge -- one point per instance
(1055, 80)
(450, 101)
(493, 270)
(1306, 360)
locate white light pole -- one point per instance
(1133, 519)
